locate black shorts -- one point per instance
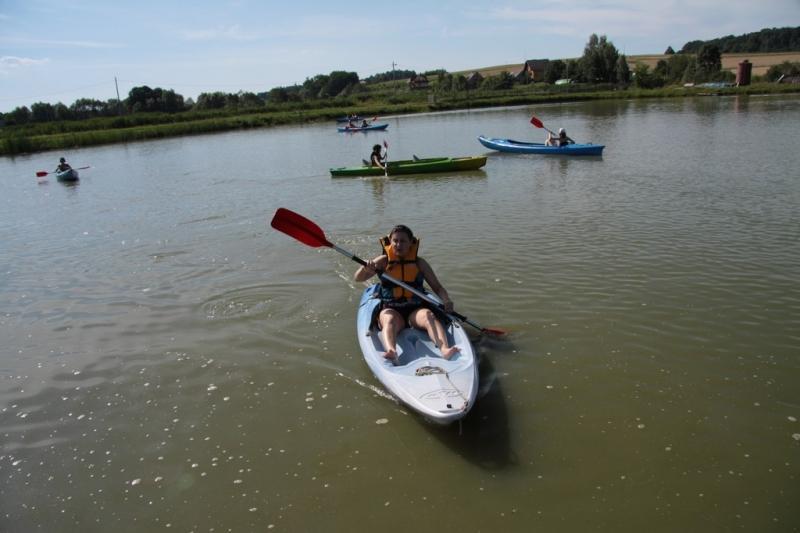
(405, 311)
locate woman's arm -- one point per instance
(373, 265)
(437, 287)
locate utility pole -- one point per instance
(119, 103)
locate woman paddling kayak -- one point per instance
(400, 307)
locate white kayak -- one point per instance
(439, 389)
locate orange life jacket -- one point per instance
(405, 269)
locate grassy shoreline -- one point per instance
(33, 139)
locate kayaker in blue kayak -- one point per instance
(62, 165)
(399, 307)
(561, 140)
(376, 159)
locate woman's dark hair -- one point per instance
(402, 229)
(376, 148)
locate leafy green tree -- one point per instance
(676, 67)
(215, 100)
(555, 71)
(709, 61)
(459, 82)
(338, 81)
(498, 82)
(313, 87)
(445, 84)
(669, 51)
(661, 69)
(248, 99)
(644, 79)
(623, 71)
(88, 107)
(20, 115)
(278, 95)
(786, 68)
(62, 112)
(42, 112)
(573, 70)
(599, 61)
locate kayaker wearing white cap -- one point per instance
(561, 140)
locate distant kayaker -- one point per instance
(560, 140)
(62, 165)
(364, 123)
(376, 159)
(399, 307)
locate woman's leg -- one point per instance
(391, 323)
(425, 319)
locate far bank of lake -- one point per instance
(43, 137)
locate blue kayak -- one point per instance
(519, 147)
(441, 390)
(371, 127)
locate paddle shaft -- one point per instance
(43, 173)
(306, 231)
(406, 286)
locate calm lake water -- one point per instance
(169, 362)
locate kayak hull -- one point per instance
(67, 175)
(416, 166)
(519, 147)
(372, 127)
(440, 390)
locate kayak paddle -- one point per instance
(42, 173)
(538, 123)
(386, 159)
(304, 230)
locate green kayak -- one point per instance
(414, 166)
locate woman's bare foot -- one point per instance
(447, 353)
(391, 354)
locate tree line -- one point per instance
(768, 40)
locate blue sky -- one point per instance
(58, 50)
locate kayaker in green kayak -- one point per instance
(399, 307)
(376, 159)
(62, 165)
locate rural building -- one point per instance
(533, 70)
(418, 81)
(474, 80)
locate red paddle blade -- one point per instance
(41, 173)
(299, 227)
(536, 122)
(494, 332)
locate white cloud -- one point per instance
(58, 43)
(230, 33)
(11, 62)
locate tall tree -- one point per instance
(42, 112)
(554, 71)
(623, 71)
(709, 61)
(599, 61)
